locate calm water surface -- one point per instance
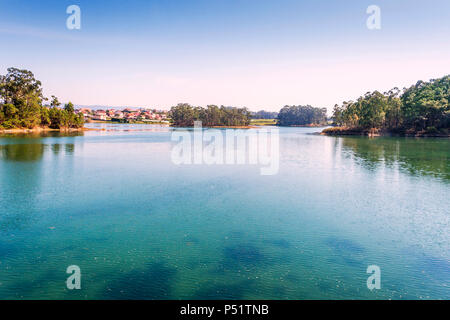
(140, 227)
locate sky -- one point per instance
(258, 54)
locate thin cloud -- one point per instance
(69, 35)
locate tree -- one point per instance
(264, 115)
(426, 104)
(422, 107)
(19, 85)
(10, 116)
(55, 102)
(21, 89)
(184, 115)
(21, 104)
(302, 115)
(45, 117)
(69, 108)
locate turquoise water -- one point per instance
(140, 227)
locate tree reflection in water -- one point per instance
(21, 170)
(421, 156)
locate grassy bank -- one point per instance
(263, 122)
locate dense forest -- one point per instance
(264, 115)
(424, 107)
(301, 116)
(184, 115)
(21, 104)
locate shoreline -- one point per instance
(305, 126)
(220, 127)
(342, 131)
(232, 127)
(45, 129)
(133, 122)
(173, 126)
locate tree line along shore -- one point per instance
(184, 115)
(22, 105)
(422, 109)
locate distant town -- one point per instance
(127, 115)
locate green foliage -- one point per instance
(69, 108)
(65, 118)
(424, 105)
(19, 85)
(45, 117)
(264, 115)
(302, 115)
(184, 115)
(21, 104)
(55, 102)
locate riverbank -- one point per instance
(233, 127)
(129, 122)
(167, 123)
(220, 127)
(45, 129)
(311, 125)
(263, 122)
(344, 131)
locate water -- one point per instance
(140, 227)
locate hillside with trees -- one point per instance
(21, 104)
(184, 115)
(302, 116)
(420, 109)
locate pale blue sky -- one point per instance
(254, 53)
